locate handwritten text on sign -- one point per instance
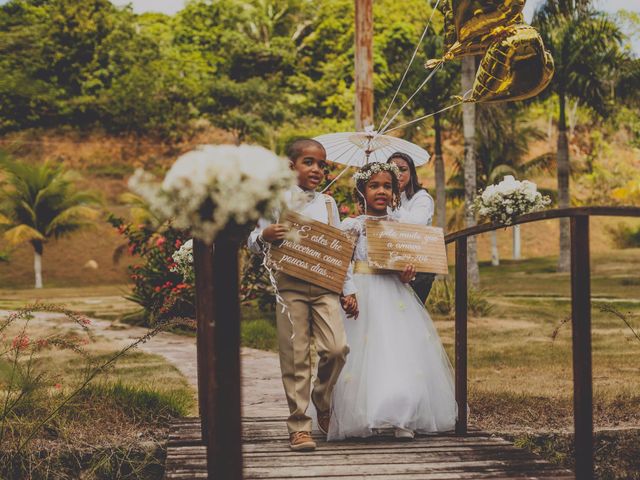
(393, 246)
(314, 252)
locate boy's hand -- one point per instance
(275, 232)
(409, 274)
(350, 305)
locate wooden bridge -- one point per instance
(221, 445)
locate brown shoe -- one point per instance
(301, 442)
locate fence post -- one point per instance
(203, 268)
(461, 334)
(219, 355)
(581, 326)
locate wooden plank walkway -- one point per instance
(267, 456)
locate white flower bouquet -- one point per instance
(503, 202)
(183, 259)
(214, 188)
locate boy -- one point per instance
(308, 307)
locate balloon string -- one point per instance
(415, 52)
(269, 265)
(344, 170)
(426, 80)
(426, 116)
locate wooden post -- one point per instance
(581, 326)
(461, 334)
(219, 352)
(364, 64)
(203, 267)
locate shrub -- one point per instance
(625, 236)
(161, 292)
(259, 334)
(442, 300)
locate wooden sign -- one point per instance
(393, 246)
(315, 252)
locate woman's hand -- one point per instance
(350, 305)
(275, 232)
(408, 274)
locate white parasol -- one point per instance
(359, 148)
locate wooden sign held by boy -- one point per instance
(393, 246)
(314, 252)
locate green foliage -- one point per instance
(139, 401)
(625, 236)
(161, 292)
(259, 334)
(41, 202)
(441, 300)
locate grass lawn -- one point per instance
(116, 426)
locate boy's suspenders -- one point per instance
(330, 215)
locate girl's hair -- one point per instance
(363, 176)
(413, 186)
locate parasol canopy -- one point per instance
(359, 148)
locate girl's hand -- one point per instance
(408, 274)
(350, 305)
(275, 232)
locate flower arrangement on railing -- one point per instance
(183, 262)
(510, 198)
(217, 188)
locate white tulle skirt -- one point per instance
(397, 372)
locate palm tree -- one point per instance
(438, 95)
(40, 202)
(503, 138)
(584, 44)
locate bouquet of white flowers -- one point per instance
(217, 187)
(183, 259)
(509, 199)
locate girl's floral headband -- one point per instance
(378, 167)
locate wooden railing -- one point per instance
(580, 320)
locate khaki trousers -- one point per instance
(312, 310)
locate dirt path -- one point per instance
(262, 387)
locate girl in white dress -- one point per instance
(397, 373)
(416, 206)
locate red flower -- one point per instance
(344, 209)
(160, 241)
(20, 342)
(158, 289)
(178, 243)
(58, 386)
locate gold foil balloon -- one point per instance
(449, 28)
(515, 67)
(476, 25)
(476, 18)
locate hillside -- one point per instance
(106, 162)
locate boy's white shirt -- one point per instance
(417, 210)
(310, 204)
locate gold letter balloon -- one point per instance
(515, 67)
(475, 24)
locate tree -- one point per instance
(38, 203)
(585, 46)
(502, 143)
(438, 95)
(470, 185)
